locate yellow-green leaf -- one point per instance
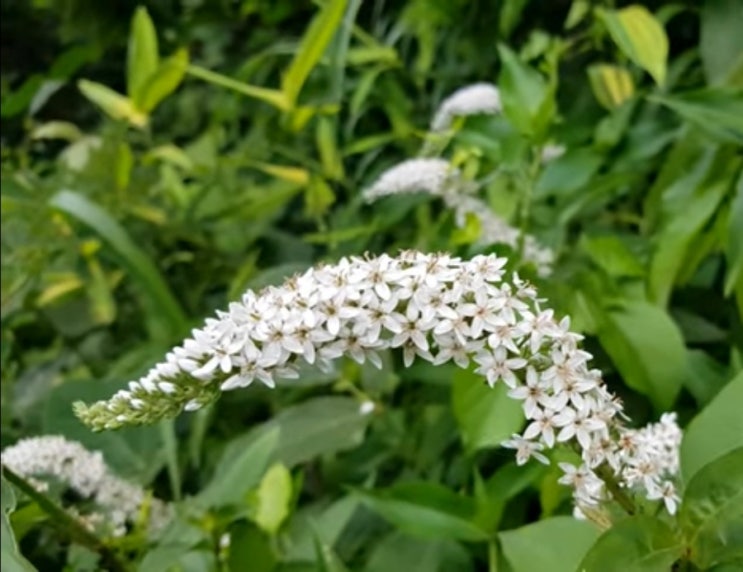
(318, 197)
(64, 285)
(612, 85)
(311, 48)
(164, 81)
(142, 59)
(327, 146)
(295, 175)
(640, 36)
(271, 96)
(57, 130)
(112, 103)
(273, 499)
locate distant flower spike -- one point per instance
(435, 307)
(86, 473)
(475, 99)
(438, 178)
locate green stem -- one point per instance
(66, 523)
(619, 495)
(531, 179)
(492, 556)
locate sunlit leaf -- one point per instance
(612, 85)
(112, 103)
(143, 57)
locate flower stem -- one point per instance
(617, 493)
(66, 523)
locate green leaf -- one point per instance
(556, 544)
(721, 43)
(647, 348)
(679, 235)
(317, 37)
(13, 560)
(143, 58)
(327, 559)
(273, 498)
(164, 314)
(717, 430)
(486, 416)
(612, 85)
(427, 510)
(318, 521)
(734, 247)
(250, 549)
(640, 543)
(112, 103)
(163, 81)
(528, 101)
(239, 470)
(57, 130)
(711, 515)
(717, 112)
(611, 254)
(270, 96)
(640, 36)
(492, 495)
(318, 197)
(399, 552)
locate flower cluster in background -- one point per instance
(475, 99)
(438, 178)
(434, 307)
(118, 503)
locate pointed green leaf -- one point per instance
(112, 103)
(734, 247)
(143, 58)
(612, 85)
(640, 36)
(274, 498)
(711, 515)
(717, 430)
(13, 560)
(639, 543)
(163, 81)
(270, 96)
(317, 37)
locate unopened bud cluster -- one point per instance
(118, 503)
(434, 307)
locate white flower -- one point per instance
(525, 449)
(86, 473)
(667, 492)
(476, 99)
(412, 176)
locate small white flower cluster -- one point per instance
(432, 306)
(438, 178)
(86, 473)
(475, 99)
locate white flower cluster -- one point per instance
(86, 473)
(438, 178)
(475, 99)
(433, 306)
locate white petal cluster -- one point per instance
(438, 178)
(475, 99)
(86, 473)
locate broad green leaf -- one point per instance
(721, 43)
(327, 559)
(163, 81)
(705, 376)
(569, 173)
(398, 552)
(13, 560)
(310, 522)
(273, 499)
(612, 85)
(647, 348)
(319, 426)
(240, 470)
(528, 101)
(640, 36)
(112, 103)
(711, 515)
(492, 495)
(678, 236)
(638, 543)
(317, 37)
(612, 255)
(556, 544)
(164, 314)
(250, 549)
(486, 416)
(717, 430)
(143, 57)
(270, 96)
(427, 510)
(717, 112)
(734, 247)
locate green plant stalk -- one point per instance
(66, 523)
(531, 179)
(617, 493)
(492, 556)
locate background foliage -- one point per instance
(157, 161)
